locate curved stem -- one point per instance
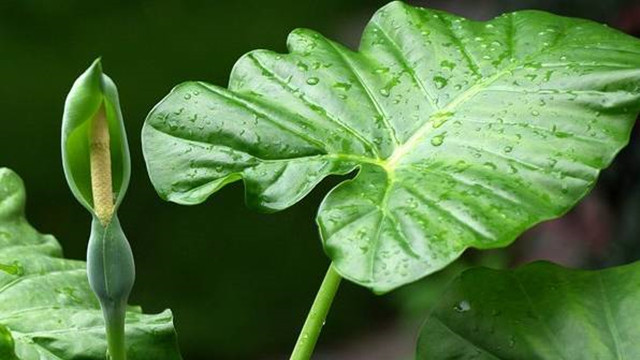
(317, 315)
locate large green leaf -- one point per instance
(538, 311)
(464, 133)
(47, 310)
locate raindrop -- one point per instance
(440, 82)
(437, 140)
(14, 269)
(462, 306)
(313, 80)
(449, 65)
(342, 86)
(490, 165)
(412, 203)
(441, 118)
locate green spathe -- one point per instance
(463, 133)
(47, 310)
(538, 311)
(89, 92)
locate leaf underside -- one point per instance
(47, 310)
(464, 133)
(539, 311)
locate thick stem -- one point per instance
(100, 159)
(114, 315)
(317, 315)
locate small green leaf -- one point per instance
(538, 311)
(46, 306)
(464, 133)
(92, 91)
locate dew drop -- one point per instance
(437, 140)
(490, 165)
(440, 118)
(449, 65)
(440, 82)
(13, 269)
(462, 306)
(313, 80)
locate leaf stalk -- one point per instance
(316, 318)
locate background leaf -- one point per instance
(464, 133)
(45, 301)
(538, 311)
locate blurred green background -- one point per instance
(240, 283)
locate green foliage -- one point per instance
(464, 133)
(538, 311)
(47, 310)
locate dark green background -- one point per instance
(239, 282)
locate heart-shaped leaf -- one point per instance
(464, 133)
(538, 311)
(47, 310)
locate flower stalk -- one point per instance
(95, 156)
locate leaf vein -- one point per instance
(400, 55)
(309, 103)
(384, 116)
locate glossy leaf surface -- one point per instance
(47, 310)
(538, 311)
(463, 133)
